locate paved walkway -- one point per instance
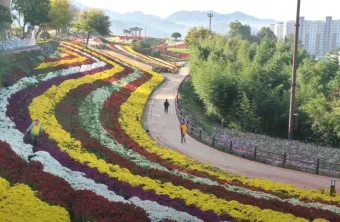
(165, 130)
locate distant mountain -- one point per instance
(220, 22)
(180, 21)
(155, 26)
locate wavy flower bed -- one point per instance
(154, 61)
(97, 163)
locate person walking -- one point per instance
(166, 106)
(184, 130)
(35, 129)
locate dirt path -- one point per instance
(165, 130)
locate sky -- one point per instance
(280, 10)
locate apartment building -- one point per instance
(317, 37)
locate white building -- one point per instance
(279, 30)
(317, 37)
(313, 37)
(332, 34)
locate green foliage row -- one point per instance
(244, 82)
(14, 66)
(178, 50)
(145, 46)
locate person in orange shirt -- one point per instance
(184, 130)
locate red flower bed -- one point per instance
(182, 46)
(81, 204)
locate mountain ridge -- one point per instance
(180, 21)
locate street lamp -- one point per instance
(210, 15)
(293, 84)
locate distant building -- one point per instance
(278, 29)
(313, 37)
(317, 37)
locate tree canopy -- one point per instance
(32, 12)
(176, 35)
(266, 32)
(237, 29)
(195, 35)
(61, 14)
(246, 84)
(5, 18)
(93, 21)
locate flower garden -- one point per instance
(178, 51)
(95, 161)
(169, 67)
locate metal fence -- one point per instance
(285, 160)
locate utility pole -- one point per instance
(293, 84)
(210, 15)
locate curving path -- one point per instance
(165, 130)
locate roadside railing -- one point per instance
(284, 159)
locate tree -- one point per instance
(31, 12)
(266, 32)
(93, 21)
(176, 35)
(61, 14)
(5, 19)
(126, 32)
(141, 46)
(195, 35)
(236, 29)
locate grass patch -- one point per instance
(179, 50)
(193, 108)
(14, 66)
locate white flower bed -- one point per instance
(158, 212)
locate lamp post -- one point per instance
(293, 84)
(210, 15)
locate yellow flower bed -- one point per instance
(18, 203)
(43, 107)
(78, 59)
(136, 104)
